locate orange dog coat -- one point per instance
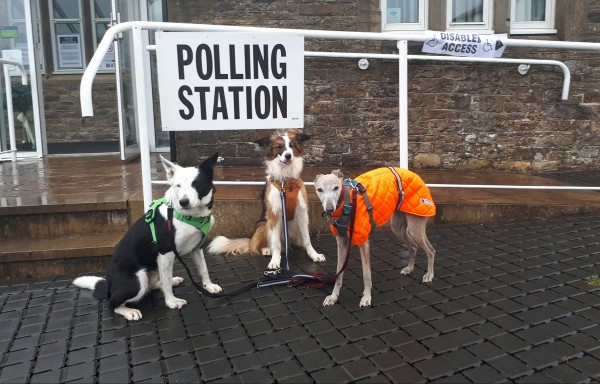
(382, 190)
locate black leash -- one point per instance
(272, 277)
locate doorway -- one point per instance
(18, 39)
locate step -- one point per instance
(58, 255)
(32, 217)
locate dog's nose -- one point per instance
(329, 208)
(184, 202)
(288, 156)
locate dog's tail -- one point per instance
(98, 285)
(221, 244)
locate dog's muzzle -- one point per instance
(184, 202)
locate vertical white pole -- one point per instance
(10, 111)
(403, 102)
(142, 113)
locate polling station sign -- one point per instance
(465, 44)
(230, 80)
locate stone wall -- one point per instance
(461, 116)
(64, 123)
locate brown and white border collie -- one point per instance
(282, 156)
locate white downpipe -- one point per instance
(142, 112)
(9, 104)
(403, 102)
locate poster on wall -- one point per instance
(230, 81)
(69, 51)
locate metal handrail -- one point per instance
(401, 39)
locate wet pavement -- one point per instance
(510, 302)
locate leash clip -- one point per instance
(273, 272)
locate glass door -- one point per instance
(122, 11)
(18, 36)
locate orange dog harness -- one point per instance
(386, 197)
(291, 189)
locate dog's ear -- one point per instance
(169, 167)
(208, 164)
(338, 173)
(302, 137)
(317, 178)
(263, 142)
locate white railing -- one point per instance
(401, 38)
(9, 103)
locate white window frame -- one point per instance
(82, 38)
(484, 27)
(533, 27)
(420, 26)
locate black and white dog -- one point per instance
(144, 257)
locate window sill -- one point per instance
(537, 31)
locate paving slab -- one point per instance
(509, 303)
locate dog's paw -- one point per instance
(213, 288)
(266, 251)
(406, 271)
(318, 258)
(274, 264)
(428, 277)
(330, 300)
(129, 313)
(177, 280)
(365, 301)
(175, 303)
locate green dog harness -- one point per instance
(200, 223)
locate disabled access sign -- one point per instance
(465, 44)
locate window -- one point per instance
(469, 15)
(75, 25)
(13, 16)
(404, 15)
(532, 16)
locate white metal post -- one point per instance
(403, 102)
(142, 112)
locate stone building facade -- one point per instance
(461, 116)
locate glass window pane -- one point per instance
(18, 10)
(67, 29)
(102, 9)
(467, 11)
(402, 11)
(101, 29)
(66, 9)
(69, 46)
(530, 10)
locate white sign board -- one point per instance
(465, 44)
(229, 80)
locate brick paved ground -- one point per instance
(509, 302)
